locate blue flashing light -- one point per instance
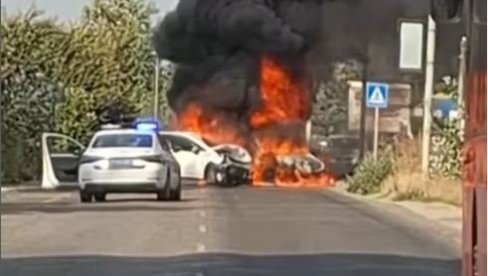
(147, 124)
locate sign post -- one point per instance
(377, 97)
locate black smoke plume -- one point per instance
(217, 46)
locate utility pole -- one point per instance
(460, 89)
(363, 114)
(429, 91)
(156, 87)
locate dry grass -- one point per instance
(408, 183)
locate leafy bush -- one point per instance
(370, 173)
(448, 143)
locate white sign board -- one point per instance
(411, 45)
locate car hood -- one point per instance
(234, 153)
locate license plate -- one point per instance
(120, 163)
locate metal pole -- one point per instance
(461, 80)
(362, 127)
(156, 88)
(376, 132)
(429, 91)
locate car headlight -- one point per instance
(102, 164)
(219, 176)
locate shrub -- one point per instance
(370, 173)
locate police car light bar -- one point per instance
(147, 124)
(110, 126)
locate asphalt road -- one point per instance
(242, 231)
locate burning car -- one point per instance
(293, 170)
(305, 164)
(236, 165)
(242, 77)
(223, 165)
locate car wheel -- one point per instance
(85, 196)
(99, 197)
(176, 193)
(212, 176)
(165, 193)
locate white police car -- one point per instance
(116, 161)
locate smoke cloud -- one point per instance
(217, 46)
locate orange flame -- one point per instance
(281, 128)
(283, 100)
(213, 128)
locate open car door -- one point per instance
(60, 156)
(187, 155)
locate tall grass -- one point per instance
(406, 182)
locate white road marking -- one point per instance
(203, 214)
(201, 248)
(202, 228)
(199, 274)
(55, 199)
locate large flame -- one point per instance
(212, 127)
(277, 128)
(283, 99)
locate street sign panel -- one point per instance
(377, 96)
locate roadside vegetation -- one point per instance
(58, 78)
(397, 173)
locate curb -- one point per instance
(27, 188)
(6, 189)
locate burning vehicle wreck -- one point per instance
(242, 78)
(222, 165)
(236, 167)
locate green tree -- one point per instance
(31, 47)
(329, 113)
(110, 61)
(57, 78)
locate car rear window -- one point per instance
(123, 141)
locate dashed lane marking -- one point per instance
(202, 228)
(55, 199)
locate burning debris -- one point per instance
(242, 79)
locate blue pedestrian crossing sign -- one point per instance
(377, 96)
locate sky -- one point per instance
(70, 10)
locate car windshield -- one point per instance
(123, 141)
